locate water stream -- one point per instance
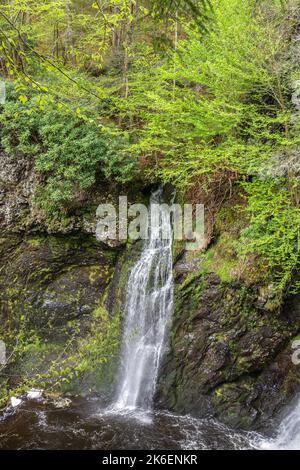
(288, 432)
(148, 309)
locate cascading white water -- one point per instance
(148, 309)
(288, 435)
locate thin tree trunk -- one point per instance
(69, 34)
(175, 51)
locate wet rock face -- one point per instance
(227, 357)
(52, 279)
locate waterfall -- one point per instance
(147, 312)
(288, 435)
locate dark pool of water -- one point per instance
(84, 425)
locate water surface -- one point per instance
(84, 425)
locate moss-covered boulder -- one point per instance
(53, 319)
(53, 279)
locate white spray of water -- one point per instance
(288, 435)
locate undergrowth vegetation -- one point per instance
(70, 150)
(75, 365)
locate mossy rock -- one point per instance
(228, 354)
(51, 280)
(50, 289)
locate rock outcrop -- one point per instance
(230, 357)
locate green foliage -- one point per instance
(221, 260)
(99, 351)
(273, 231)
(19, 338)
(221, 104)
(73, 366)
(69, 149)
(198, 10)
(218, 104)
